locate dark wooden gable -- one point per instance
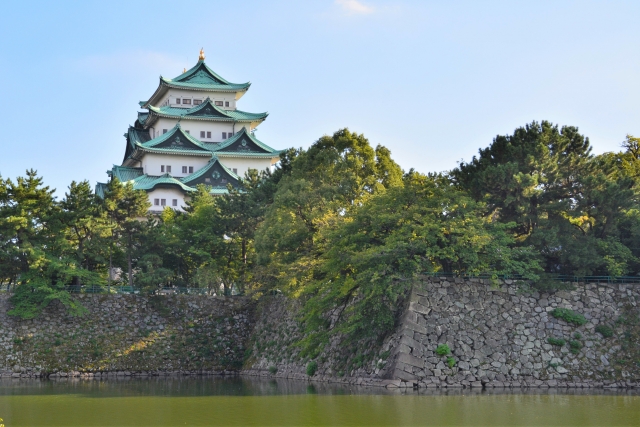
(216, 176)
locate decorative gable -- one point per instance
(215, 175)
(246, 145)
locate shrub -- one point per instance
(384, 355)
(273, 370)
(312, 367)
(575, 346)
(443, 350)
(604, 330)
(569, 316)
(451, 362)
(577, 335)
(556, 341)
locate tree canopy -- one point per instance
(339, 226)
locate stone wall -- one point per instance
(497, 334)
(127, 335)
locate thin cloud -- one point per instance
(354, 7)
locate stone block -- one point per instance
(402, 375)
(411, 360)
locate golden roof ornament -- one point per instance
(184, 71)
(201, 57)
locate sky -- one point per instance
(433, 81)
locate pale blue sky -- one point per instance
(433, 81)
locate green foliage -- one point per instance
(556, 341)
(312, 367)
(569, 316)
(451, 361)
(443, 350)
(575, 346)
(605, 330)
(273, 370)
(577, 335)
(385, 355)
(574, 209)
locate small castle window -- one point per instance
(188, 131)
(177, 100)
(184, 169)
(156, 202)
(218, 103)
(235, 170)
(175, 202)
(224, 135)
(186, 101)
(202, 134)
(190, 169)
(208, 134)
(164, 131)
(197, 101)
(168, 168)
(161, 168)
(226, 103)
(163, 202)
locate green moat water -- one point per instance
(247, 402)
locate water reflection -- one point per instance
(250, 386)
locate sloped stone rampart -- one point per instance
(497, 333)
(127, 335)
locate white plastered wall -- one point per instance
(169, 195)
(172, 94)
(151, 164)
(196, 126)
(244, 164)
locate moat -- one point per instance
(251, 402)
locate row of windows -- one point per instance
(206, 134)
(167, 168)
(163, 202)
(187, 101)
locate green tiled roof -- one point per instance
(201, 78)
(148, 183)
(175, 141)
(213, 167)
(205, 111)
(246, 139)
(124, 173)
(100, 189)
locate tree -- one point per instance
(86, 227)
(127, 209)
(426, 225)
(565, 202)
(335, 175)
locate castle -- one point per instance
(191, 133)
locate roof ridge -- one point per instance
(238, 135)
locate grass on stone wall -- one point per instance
(569, 316)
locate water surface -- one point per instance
(247, 402)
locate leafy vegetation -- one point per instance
(443, 350)
(312, 367)
(604, 330)
(575, 346)
(340, 227)
(451, 361)
(569, 316)
(559, 342)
